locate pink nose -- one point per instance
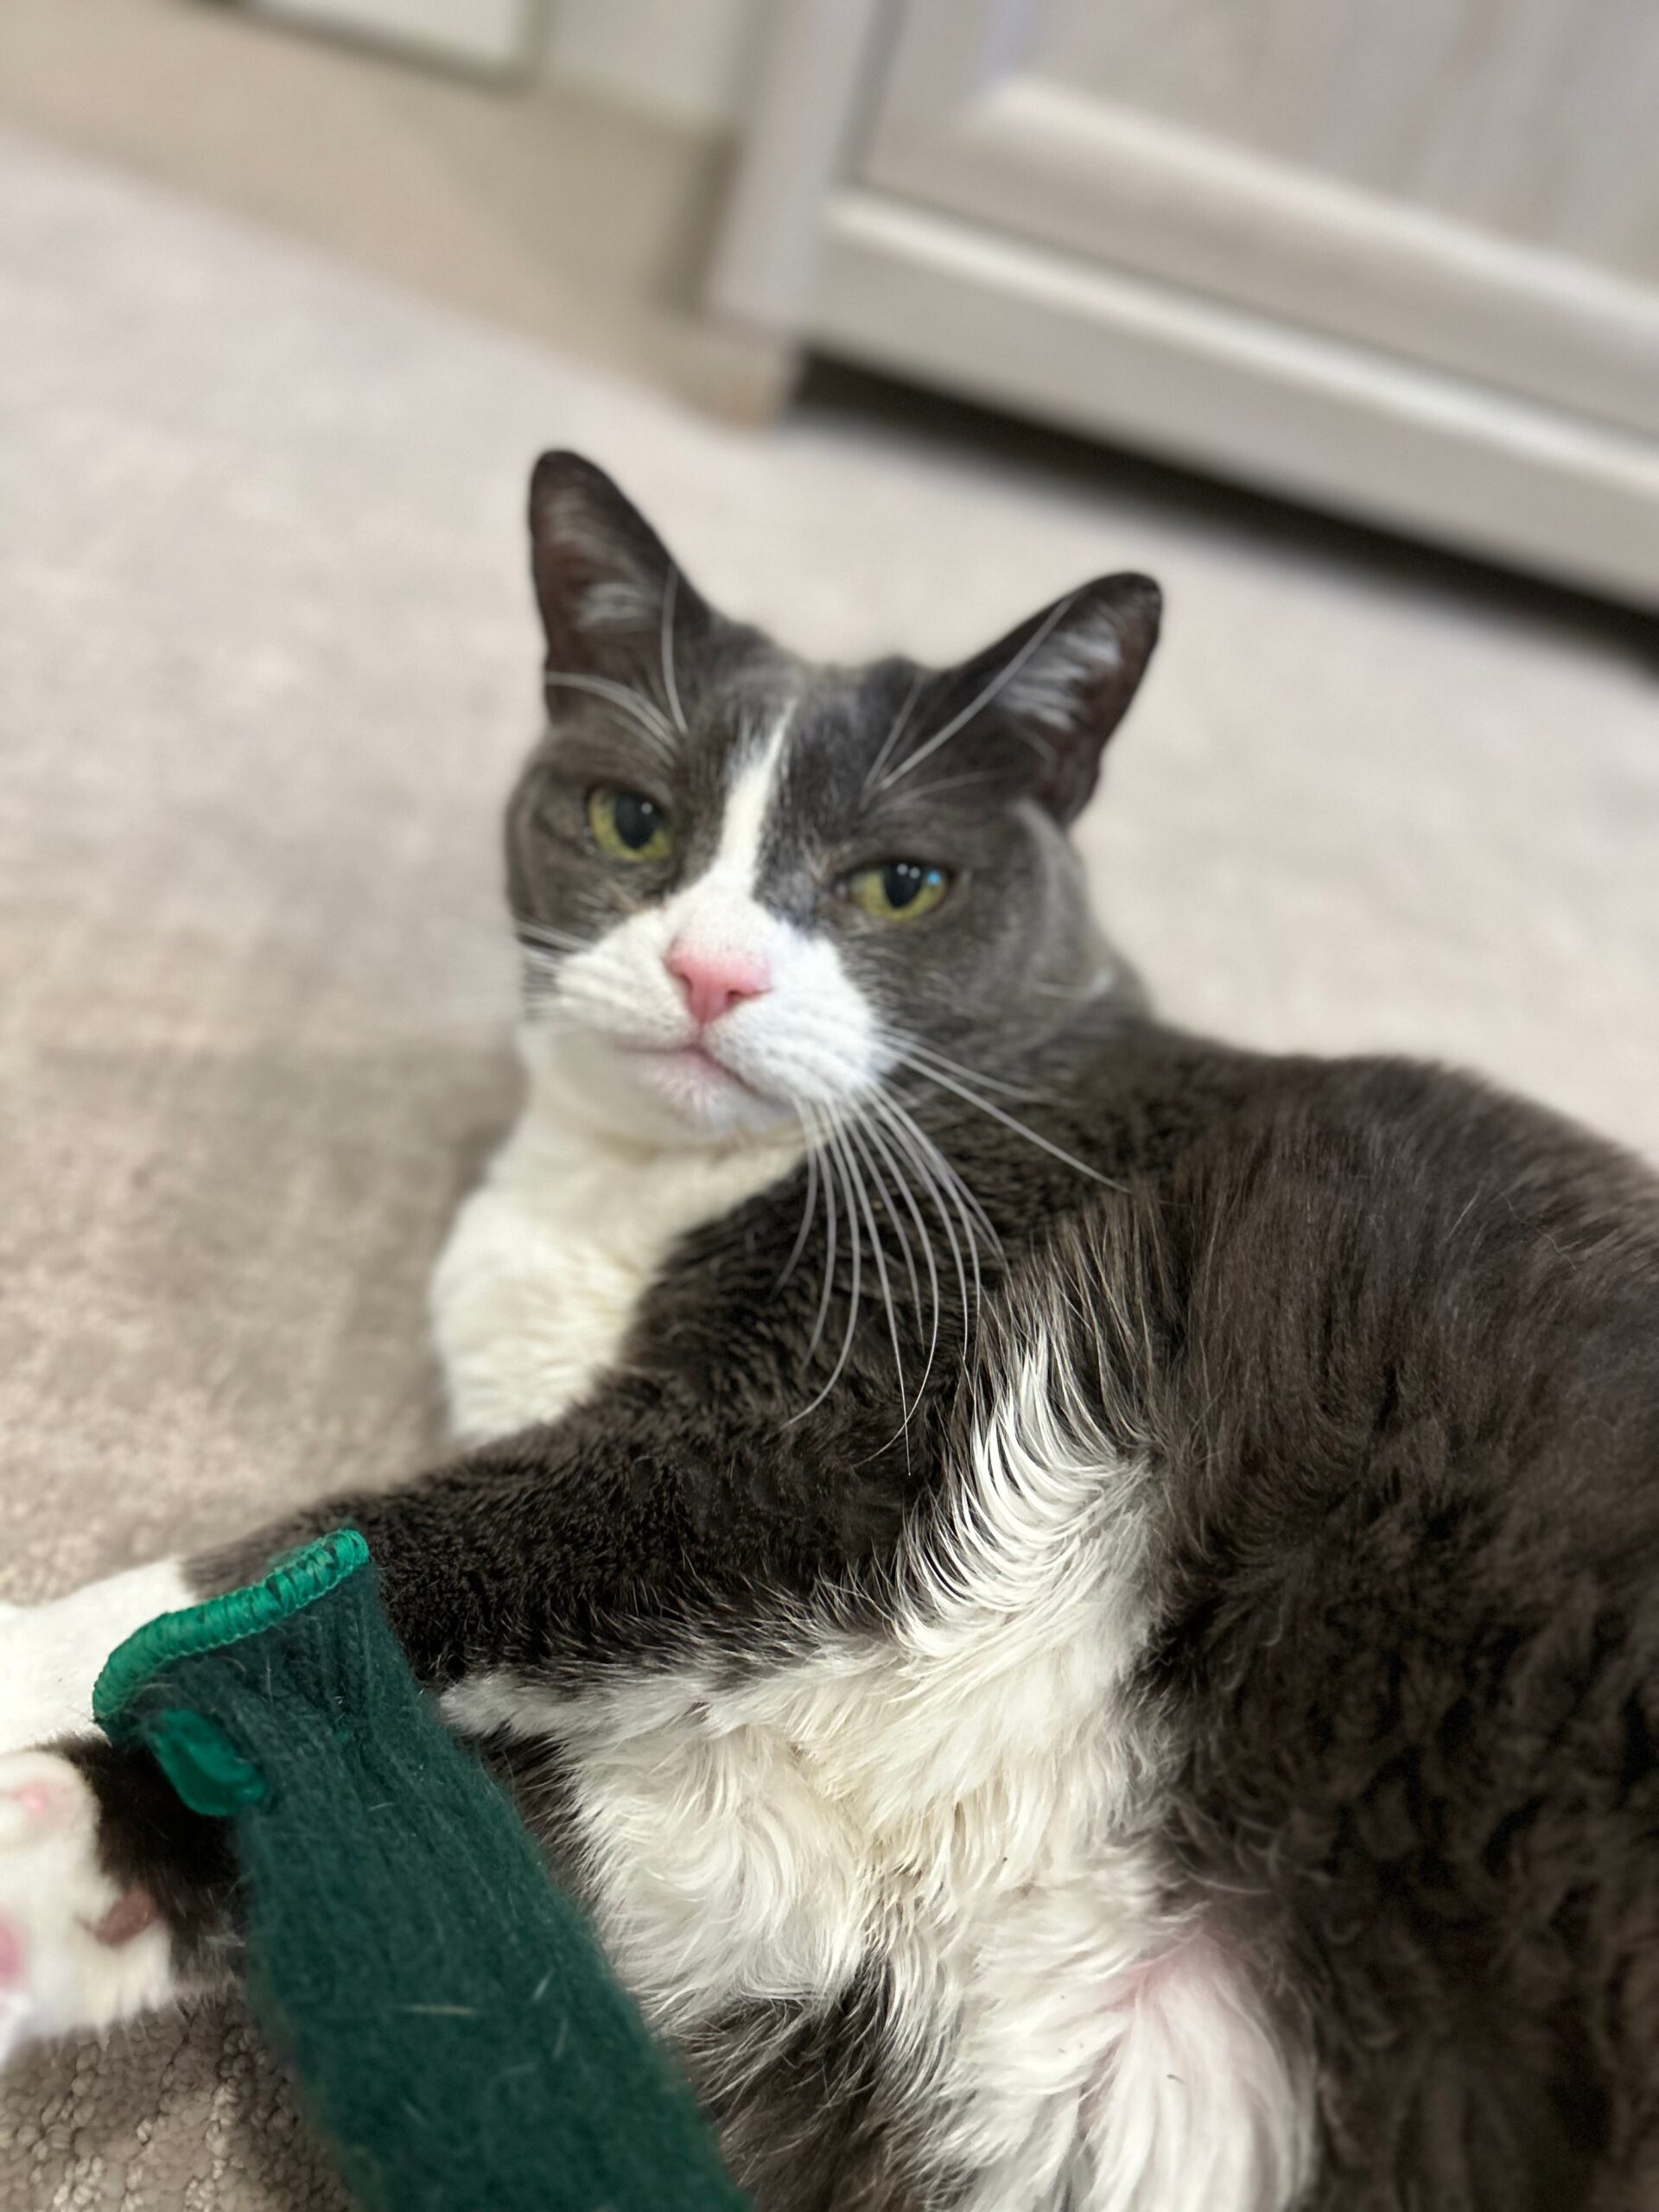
(714, 982)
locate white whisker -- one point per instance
(898, 729)
(1005, 674)
(945, 1166)
(1009, 1121)
(857, 1131)
(533, 935)
(939, 785)
(809, 1210)
(829, 1243)
(851, 1217)
(618, 695)
(670, 595)
(879, 1142)
(946, 1183)
(845, 1140)
(836, 1157)
(934, 1058)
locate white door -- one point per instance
(1470, 185)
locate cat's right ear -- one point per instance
(610, 594)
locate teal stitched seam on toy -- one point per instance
(295, 1581)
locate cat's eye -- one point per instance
(898, 891)
(627, 825)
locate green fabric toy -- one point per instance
(457, 2035)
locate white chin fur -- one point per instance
(661, 1098)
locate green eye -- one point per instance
(898, 891)
(628, 826)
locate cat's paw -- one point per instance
(50, 1653)
(76, 1950)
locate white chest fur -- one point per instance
(547, 1261)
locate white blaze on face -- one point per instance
(719, 917)
(624, 1047)
(748, 808)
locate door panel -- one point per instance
(1418, 175)
(1532, 118)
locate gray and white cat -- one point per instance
(1081, 1606)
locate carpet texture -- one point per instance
(267, 661)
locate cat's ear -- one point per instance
(1063, 680)
(610, 594)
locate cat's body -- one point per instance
(1133, 1686)
(1177, 1699)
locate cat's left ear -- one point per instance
(1064, 680)
(612, 598)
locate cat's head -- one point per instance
(751, 888)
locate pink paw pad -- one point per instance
(37, 1804)
(11, 1955)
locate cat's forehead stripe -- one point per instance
(749, 804)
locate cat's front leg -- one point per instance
(50, 1655)
(548, 1557)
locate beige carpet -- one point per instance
(266, 662)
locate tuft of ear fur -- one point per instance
(610, 593)
(1063, 680)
